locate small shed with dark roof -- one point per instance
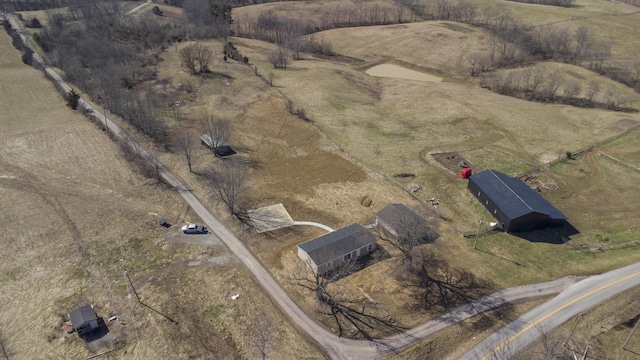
(84, 319)
(513, 203)
(397, 219)
(337, 247)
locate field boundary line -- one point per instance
(582, 151)
(620, 161)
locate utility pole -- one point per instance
(477, 235)
(126, 274)
(104, 111)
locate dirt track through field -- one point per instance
(26, 181)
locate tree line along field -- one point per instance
(373, 129)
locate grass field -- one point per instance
(391, 126)
(363, 131)
(74, 214)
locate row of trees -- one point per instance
(274, 27)
(108, 54)
(31, 5)
(539, 84)
(207, 18)
(515, 42)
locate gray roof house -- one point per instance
(84, 319)
(337, 247)
(398, 219)
(513, 203)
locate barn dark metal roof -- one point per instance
(337, 243)
(513, 196)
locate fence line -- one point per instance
(620, 161)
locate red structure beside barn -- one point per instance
(466, 173)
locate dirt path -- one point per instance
(138, 7)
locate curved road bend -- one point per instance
(333, 346)
(508, 341)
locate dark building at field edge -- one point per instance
(513, 203)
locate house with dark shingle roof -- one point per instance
(337, 247)
(398, 219)
(84, 319)
(515, 205)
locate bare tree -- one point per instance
(186, 140)
(229, 184)
(203, 56)
(536, 78)
(555, 80)
(338, 302)
(598, 54)
(188, 58)
(634, 74)
(583, 38)
(264, 334)
(571, 90)
(464, 11)
(319, 282)
(593, 91)
(561, 43)
(477, 62)
(196, 58)
(616, 98)
(406, 233)
(296, 43)
(217, 129)
(279, 58)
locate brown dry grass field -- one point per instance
(74, 212)
(363, 131)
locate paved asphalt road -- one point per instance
(339, 348)
(506, 342)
